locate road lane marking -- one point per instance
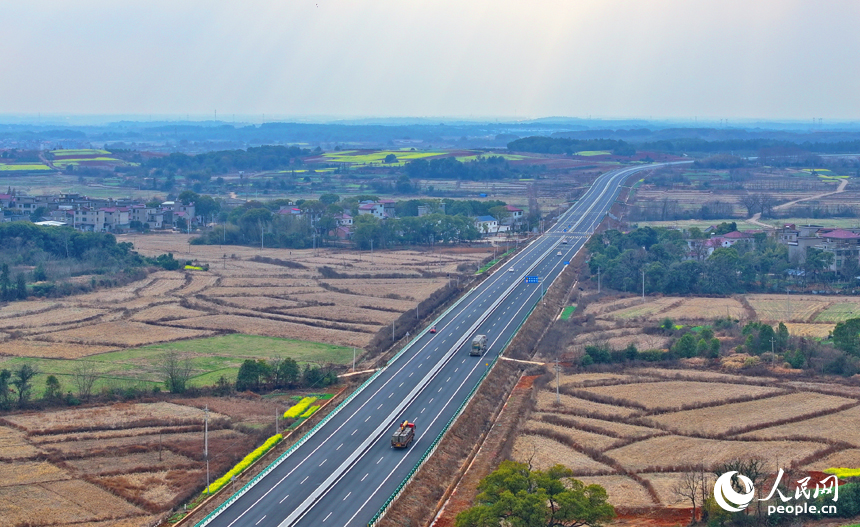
(261, 519)
(448, 379)
(347, 495)
(327, 515)
(392, 393)
(401, 385)
(303, 481)
(338, 448)
(368, 417)
(324, 460)
(362, 479)
(353, 432)
(411, 374)
(285, 497)
(380, 459)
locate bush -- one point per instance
(219, 483)
(297, 409)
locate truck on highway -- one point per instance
(479, 345)
(404, 435)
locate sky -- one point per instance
(674, 59)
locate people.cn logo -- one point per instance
(727, 497)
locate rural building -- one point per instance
(486, 224)
(382, 209)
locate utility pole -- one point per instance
(557, 369)
(392, 331)
(598, 280)
(276, 421)
(206, 444)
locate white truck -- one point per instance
(479, 345)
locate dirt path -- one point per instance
(755, 217)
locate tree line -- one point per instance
(670, 266)
(561, 145)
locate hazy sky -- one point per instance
(783, 59)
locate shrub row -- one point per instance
(299, 408)
(219, 483)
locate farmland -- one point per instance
(125, 464)
(804, 315)
(640, 438)
(244, 307)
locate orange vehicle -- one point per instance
(404, 435)
(433, 329)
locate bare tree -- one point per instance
(175, 369)
(84, 375)
(752, 202)
(689, 487)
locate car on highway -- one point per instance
(558, 253)
(433, 329)
(511, 270)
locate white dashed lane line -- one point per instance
(303, 481)
(285, 497)
(326, 516)
(261, 519)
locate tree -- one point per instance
(248, 377)
(5, 283)
(390, 158)
(21, 289)
(84, 375)
(175, 369)
(329, 199)
(206, 207)
(690, 486)
(685, 347)
(846, 336)
(5, 391)
(53, 390)
(22, 381)
(287, 372)
(516, 496)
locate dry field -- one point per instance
(238, 295)
(819, 309)
(639, 447)
(118, 465)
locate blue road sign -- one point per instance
(533, 279)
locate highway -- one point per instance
(342, 474)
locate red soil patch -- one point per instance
(526, 382)
(653, 516)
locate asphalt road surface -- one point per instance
(346, 471)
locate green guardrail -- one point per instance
(490, 264)
(232, 499)
(432, 448)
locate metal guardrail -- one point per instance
(435, 444)
(232, 499)
(432, 448)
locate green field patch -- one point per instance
(210, 358)
(78, 152)
(567, 312)
(23, 167)
(839, 312)
(590, 153)
(355, 157)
